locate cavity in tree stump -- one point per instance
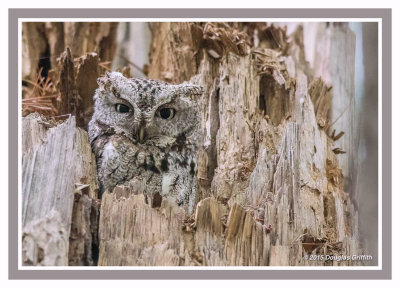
(271, 186)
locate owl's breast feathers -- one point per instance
(168, 169)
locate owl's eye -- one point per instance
(122, 108)
(167, 113)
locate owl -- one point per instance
(147, 131)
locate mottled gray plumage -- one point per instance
(147, 131)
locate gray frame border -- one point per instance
(384, 14)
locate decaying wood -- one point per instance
(33, 48)
(55, 37)
(271, 186)
(133, 233)
(332, 49)
(169, 239)
(70, 57)
(48, 40)
(75, 81)
(68, 100)
(172, 49)
(85, 37)
(83, 238)
(267, 167)
(321, 96)
(57, 161)
(68, 89)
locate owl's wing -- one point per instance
(115, 160)
(98, 129)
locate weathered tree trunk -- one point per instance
(271, 187)
(61, 62)
(271, 184)
(58, 170)
(46, 41)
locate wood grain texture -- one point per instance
(47, 40)
(271, 190)
(33, 47)
(267, 166)
(56, 163)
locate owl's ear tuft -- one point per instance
(190, 90)
(104, 82)
(101, 81)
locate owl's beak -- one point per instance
(141, 134)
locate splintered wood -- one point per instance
(267, 167)
(76, 82)
(61, 63)
(133, 233)
(56, 162)
(271, 187)
(45, 41)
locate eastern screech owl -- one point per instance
(149, 131)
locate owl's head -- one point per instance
(146, 110)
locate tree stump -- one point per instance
(271, 186)
(59, 170)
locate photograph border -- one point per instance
(76, 273)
